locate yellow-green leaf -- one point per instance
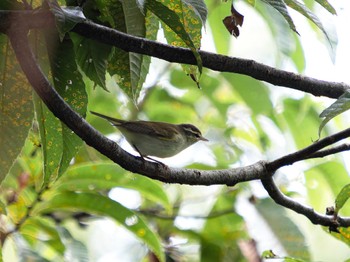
(182, 26)
(16, 107)
(101, 205)
(342, 197)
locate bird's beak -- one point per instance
(203, 139)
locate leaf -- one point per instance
(119, 63)
(200, 9)
(10, 5)
(41, 232)
(342, 197)
(327, 6)
(329, 178)
(91, 56)
(128, 69)
(66, 18)
(220, 235)
(100, 205)
(341, 105)
(258, 102)
(76, 249)
(69, 84)
(135, 23)
(169, 13)
(50, 130)
(233, 21)
(16, 107)
(286, 231)
(2, 208)
(302, 9)
(281, 7)
(300, 113)
(343, 235)
(102, 175)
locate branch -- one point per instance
(221, 63)
(25, 56)
(212, 61)
(310, 213)
(259, 171)
(330, 151)
(310, 151)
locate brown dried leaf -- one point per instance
(233, 21)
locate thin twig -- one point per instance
(329, 151)
(307, 152)
(308, 212)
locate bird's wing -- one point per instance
(147, 128)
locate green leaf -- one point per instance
(220, 235)
(69, 84)
(281, 7)
(343, 235)
(119, 63)
(327, 6)
(128, 69)
(187, 28)
(2, 208)
(16, 107)
(103, 175)
(135, 25)
(285, 230)
(100, 205)
(50, 129)
(300, 113)
(302, 9)
(91, 56)
(342, 197)
(10, 5)
(297, 55)
(66, 18)
(219, 32)
(199, 8)
(328, 178)
(18, 209)
(41, 234)
(341, 105)
(258, 101)
(77, 250)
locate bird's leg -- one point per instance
(147, 157)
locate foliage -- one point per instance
(50, 179)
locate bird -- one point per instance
(159, 139)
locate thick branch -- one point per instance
(181, 55)
(310, 213)
(107, 147)
(260, 170)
